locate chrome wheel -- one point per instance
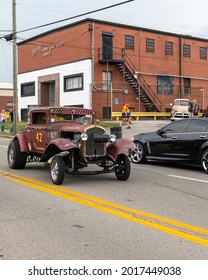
(204, 161)
(16, 159)
(11, 155)
(138, 154)
(57, 170)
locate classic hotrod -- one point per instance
(69, 139)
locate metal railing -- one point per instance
(138, 115)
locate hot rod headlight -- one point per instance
(84, 136)
(112, 137)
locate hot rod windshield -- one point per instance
(77, 115)
(68, 117)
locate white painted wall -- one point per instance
(6, 89)
(66, 98)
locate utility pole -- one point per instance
(15, 97)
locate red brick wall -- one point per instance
(55, 48)
(3, 102)
(74, 44)
(154, 64)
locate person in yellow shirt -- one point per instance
(126, 115)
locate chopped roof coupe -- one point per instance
(70, 139)
(183, 141)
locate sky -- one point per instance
(177, 16)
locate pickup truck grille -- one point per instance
(181, 115)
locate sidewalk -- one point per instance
(142, 126)
(6, 134)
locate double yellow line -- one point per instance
(181, 230)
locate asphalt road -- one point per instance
(160, 213)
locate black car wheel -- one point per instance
(57, 170)
(138, 155)
(16, 158)
(204, 161)
(123, 168)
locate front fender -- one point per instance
(122, 145)
(22, 142)
(56, 146)
(63, 144)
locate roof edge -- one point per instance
(112, 24)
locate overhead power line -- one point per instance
(73, 17)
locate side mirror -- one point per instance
(97, 121)
(160, 132)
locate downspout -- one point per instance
(92, 61)
(180, 66)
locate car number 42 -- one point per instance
(39, 137)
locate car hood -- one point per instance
(180, 108)
(145, 136)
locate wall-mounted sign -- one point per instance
(45, 50)
(116, 101)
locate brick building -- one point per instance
(101, 65)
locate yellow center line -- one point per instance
(115, 209)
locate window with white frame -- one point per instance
(106, 80)
(73, 82)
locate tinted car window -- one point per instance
(176, 127)
(197, 125)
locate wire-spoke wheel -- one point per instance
(57, 170)
(138, 154)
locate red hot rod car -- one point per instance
(70, 139)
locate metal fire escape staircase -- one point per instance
(138, 84)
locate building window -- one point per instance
(129, 42)
(73, 82)
(169, 48)
(203, 53)
(165, 84)
(28, 89)
(106, 112)
(186, 50)
(150, 45)
(24, 114)
(187, 86)
(106, 80)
